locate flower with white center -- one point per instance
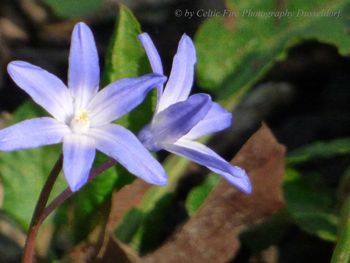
(180, 118)
(82, 116)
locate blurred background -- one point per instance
(289, 70)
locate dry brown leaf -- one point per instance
(123, 200)
(128, 197)
(212, 234)
(117, 252)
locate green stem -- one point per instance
(341, 253)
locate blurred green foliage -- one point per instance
(234, 52)
(341, 252)
(311, 203)
(268, 233)
(198, 194)
(319, 150)
(23, 173)
(155, 205)
(74, 8)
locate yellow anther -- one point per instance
(82, 117)
(80, 122)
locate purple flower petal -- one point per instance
(154, 59)
(32, 133)
(152, 53)
(78, 156)
(180, 80)
(174, 122)
(120, 97)
(216, 119)
(201, 154)
(45, 89)
(120, 144)
(84, 71)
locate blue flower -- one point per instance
(82, 116)
(180, 119)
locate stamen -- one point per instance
(80, 122)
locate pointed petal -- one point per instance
(84, 71)
(201, 154)
(120, 144)
(181, 77)
(152, 53)
(177, 120)
(78, 156)
(32, 133)
(120, 97)
(154, 59)
(45, 88)
(216, 120)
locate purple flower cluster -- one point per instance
(82, 116)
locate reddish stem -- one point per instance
(40, 207)
(67, 193)
(42, 211)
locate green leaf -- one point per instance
(23, 173)
(144, 229)
(198, 194)
(270, 232)
(319, 150)
(311, 204)
(341, 252)
(74, 8)
(155, 205)
(88, 200)
(235, 51)
(129, 225)
(150, 234)
(125, 57)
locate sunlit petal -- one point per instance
(180, 80)
(78, 156)
(178, 119)
(216, 120)
(84, 71)
(120, 97)
(32, 133)
(152, 53)
(45, 88)
(120, 144)
(201, 154)
(154, 59)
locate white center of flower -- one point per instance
(80, 122)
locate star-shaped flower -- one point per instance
(82, 116)
(180, 118)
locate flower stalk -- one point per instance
(67, 193)
(42, 211)
(40, 207)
